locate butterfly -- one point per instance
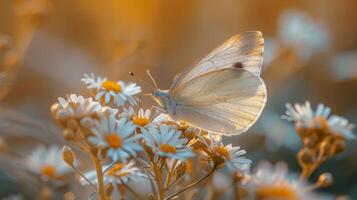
(223, 92)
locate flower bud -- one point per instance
(86, 122)
(325, 148)
(68, 155)
(338, 146)
(309, 143)
(305, 157)
(72, 124)
(325, 180)
(54, 108)
(68, 135)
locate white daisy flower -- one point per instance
(145, 118)
(116, 135)
(341, 126)
(343, 66)
(228, 155)
(48, 163)
(119, 173)
(129, 90)
(93, 82)
(75, 106)
(166, 142)
(274, 182)
(116, 91)
(78, 110)
(305, 35)
(305, 117)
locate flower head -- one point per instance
(108, 91)
(303, 34)
(144, 118)
(118, 173)
(167, 142)
(76, 114)
(75, 106)
(274, 182)
(48, 163)
(228, 155)
(306, 118)
(117, 136)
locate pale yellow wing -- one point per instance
(225, 102)
(243, 51)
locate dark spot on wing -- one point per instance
(238, 65)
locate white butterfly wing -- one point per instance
(244, 51)
(226, 101)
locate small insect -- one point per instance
(222, 93)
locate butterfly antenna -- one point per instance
(141, 81)
(152, 78)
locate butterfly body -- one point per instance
(164, 99)
(222, 93)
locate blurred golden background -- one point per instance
(47, 45)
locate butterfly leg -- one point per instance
(158, 109)
(174, 113)
(140, 98)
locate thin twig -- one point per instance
(84, 177)
(193, 184)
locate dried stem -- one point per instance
(158, 180)
(169, 175)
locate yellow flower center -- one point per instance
(276, 192)
(141, 121)
(113, 140)
(223, 151)
(117, 167)
(167, 148)
(111, 86)
(49, 171)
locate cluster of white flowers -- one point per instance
(302, 33)
(305, 117)
(128, 143)
(47, 162)
(118, 173)
(116, 91)
(122, 134)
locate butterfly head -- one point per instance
(160, 96)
